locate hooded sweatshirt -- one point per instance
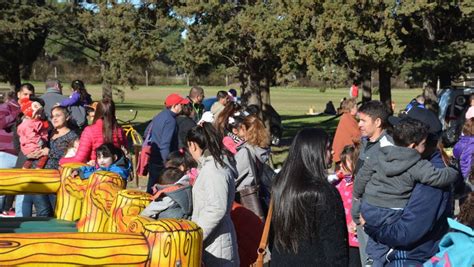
(388, 179)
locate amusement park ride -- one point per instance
(96, 222)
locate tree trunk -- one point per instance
(445, 79)
(251, 90)
(385, 87)
(106, 85)
(366, 86)
(256, 91)
(266, 104)
(13, 76)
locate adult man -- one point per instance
(196, 95)
(41, 202)
(9, 112)
(219, 105)
(54, 95)
(373, 117)
(414, 237)
(164, 136)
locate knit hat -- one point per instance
(30, 108)
(470, 113)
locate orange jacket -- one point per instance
(347, 133)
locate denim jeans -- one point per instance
(19, 205)
(7, 161)
(154, 171)
(42, 206)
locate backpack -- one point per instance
(145, 153)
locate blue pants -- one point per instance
(378, 216)
(42, 206)
(154, 171)
(7, 161)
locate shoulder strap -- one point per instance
(261, 251)
(148, 133)
(253, 166)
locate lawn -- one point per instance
(292, 104)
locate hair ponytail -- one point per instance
(207, 137)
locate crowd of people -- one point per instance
(387, 204)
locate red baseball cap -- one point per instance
(175, 99)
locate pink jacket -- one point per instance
(345, 189)
(9, 112)
(91, 139)
(33, 135)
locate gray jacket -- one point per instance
(388, 179)
(246, 175)
(371, 149)
(53, 97)
(213, 194)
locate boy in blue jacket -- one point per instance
(109, 158)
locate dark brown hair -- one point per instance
(466, 214)
(222, 120)
(106, 112)
(350, 152)
(468, 128)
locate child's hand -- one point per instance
(35, 154)
(91, 163)
(44, 151)
(362, 220)
(351, 228)
(74, 173)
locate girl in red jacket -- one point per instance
(104, 129)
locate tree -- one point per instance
(23, 30)
(359, 37)
(439, 40)
(250, 36)
(121, 35)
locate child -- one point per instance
(464, 148)
(386, 181)
(348, 159)
(90, 109)
(79, 96)
(33, 132)
(182, 160)
(109, 158)
(173, 198)
(72, 149)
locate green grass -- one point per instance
(292, 104)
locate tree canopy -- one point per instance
(264, 42)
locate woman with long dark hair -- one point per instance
(79, 97)
(104, 129)
(213, 194)
(308, 220)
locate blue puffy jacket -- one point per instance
(121, 167)
(456, 248)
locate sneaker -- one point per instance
(11, 212)
(5, 214)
